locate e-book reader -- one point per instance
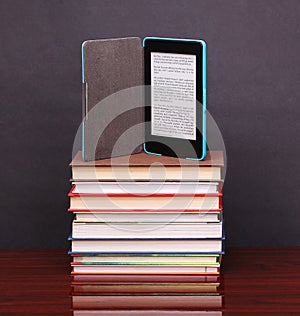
(175, 97)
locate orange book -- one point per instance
(143, 167)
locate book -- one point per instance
(140, 246)
(146, 230)
(148, 216)
(155, 259)
(129, 201)
(145, 188)
(143, 167)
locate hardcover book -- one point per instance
(143, 167)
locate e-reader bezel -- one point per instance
(169, 146)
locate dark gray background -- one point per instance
(253, 94)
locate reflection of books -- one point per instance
(143, 278)
(148, 167)
(140, 288)
(145, 313)
(140, 301)
(144, 269)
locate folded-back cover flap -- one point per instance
(113, 117)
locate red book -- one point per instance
(125, 201)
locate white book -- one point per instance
(149, 217)
(147, 246)
(146, 187)
(146, 230)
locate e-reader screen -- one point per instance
(173, 95)
(174, 111)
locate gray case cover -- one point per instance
(113, 118)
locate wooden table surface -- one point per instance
(255, 281)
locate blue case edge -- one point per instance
(82, 80)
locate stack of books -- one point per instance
(146, 225)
